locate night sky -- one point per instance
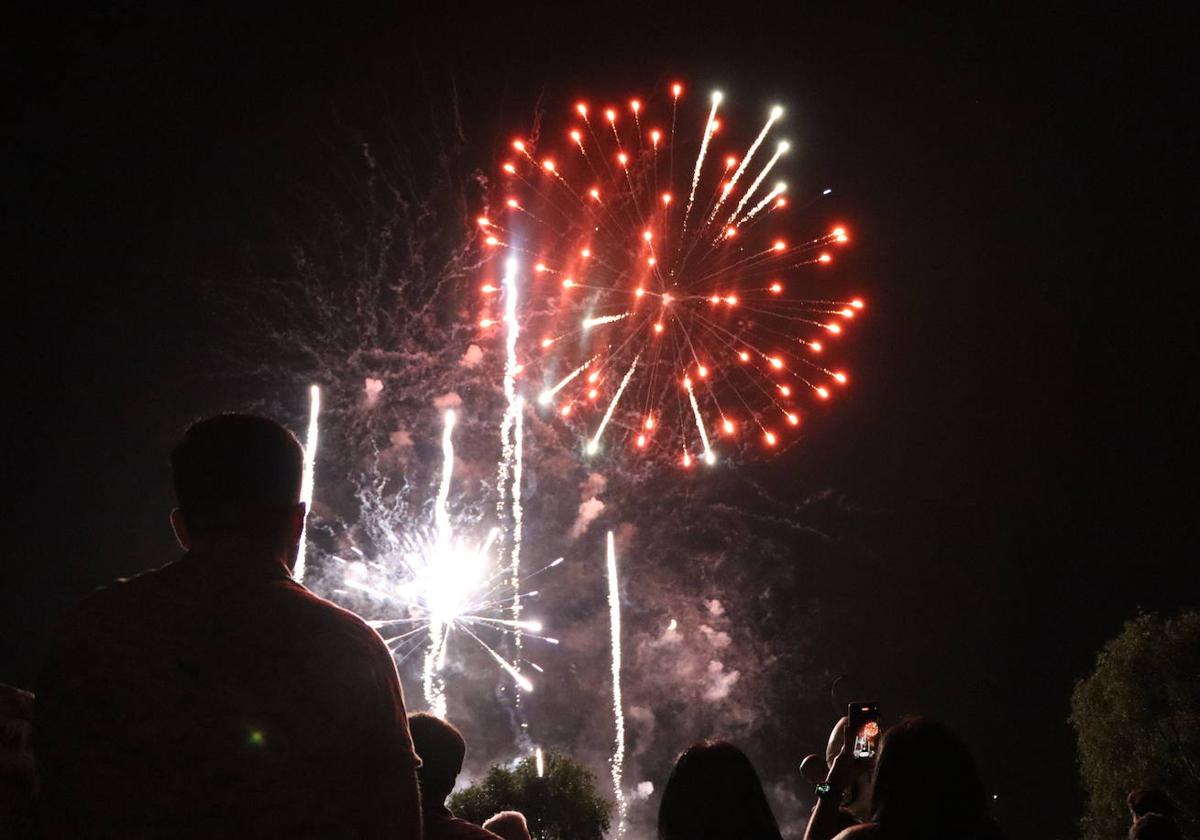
(1010, 182)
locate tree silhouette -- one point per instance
(1137, 722)
(561, 804)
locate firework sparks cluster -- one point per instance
(664, 298)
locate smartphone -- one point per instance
(862, 729)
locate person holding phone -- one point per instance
(925, 785)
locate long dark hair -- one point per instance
(927, 786)
(714, 794)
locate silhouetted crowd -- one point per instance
(216, 697)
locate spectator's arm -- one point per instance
(826, 822)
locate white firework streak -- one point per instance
(541, 762)
(515, 567)
(510, 384)
(779, 190)
(708, 133)
(588, 323)
(709, 457)
(780, 151)
(439, 628)
(512, 456)
(308, 481)
(614, 617)
(776, 113)
(546, 396)
(594, 443)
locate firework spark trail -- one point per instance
(440, 513)
(546, 396)
(776, 113)
(780, 151)
(517, 676)
(439, 625)
(512, 434)
(709, 457)
(709, 127)
(618, 757)
(779, 190)
(515, 567)
(594, 443)
(588, 323)
(308, 481)
(512, 330)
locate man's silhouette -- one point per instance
(442, 750)
(215, 696)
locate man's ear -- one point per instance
(296, 522)
(179, 526)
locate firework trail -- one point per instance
(618, 756)
(709, 127)
(658, 321)
(594, 444)
(780, 151)
(439, 629)
(307, 483)
(731, 184)
(512, 435)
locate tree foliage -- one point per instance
(1137, 722)
(562, 803)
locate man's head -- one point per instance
(1142, 801)
(509, 825)
(238, 475)
(441, 749)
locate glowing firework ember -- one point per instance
(308, 481)
(663, 309)
(447, 586)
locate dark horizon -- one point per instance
(1012, 426)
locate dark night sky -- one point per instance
(1009, 182)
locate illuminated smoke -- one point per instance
(308, 481)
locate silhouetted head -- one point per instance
(238, 475)
(1149, 801)
(509, 825)
(441, 749)
(926, 783)
(1154, 826)
(714, 794)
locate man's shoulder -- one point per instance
(454, 828)
(863, 831)
(114, 599)
(310, 608)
